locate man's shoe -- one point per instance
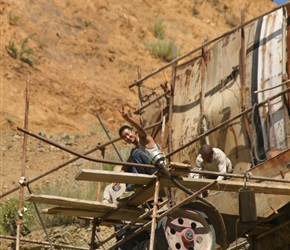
(125, 196)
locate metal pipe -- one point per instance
(22, 178)
(253, 177)
(203, 45)
(276, 86)
(42, 242)
(99, 183)
(170, 112)
(104, 128)
(41, 221)
(149, 103)
(94, 233)
(140, 94)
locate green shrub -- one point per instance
(12, 50)
(23, 53)
(13, 19)
(9, 217)
(159, 28)
(161, 48)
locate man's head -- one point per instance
(206, 152)
(128, 134)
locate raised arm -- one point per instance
(135, 124)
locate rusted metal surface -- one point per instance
(265, 202)
(270, 71)
(219, 89)
(186, 110)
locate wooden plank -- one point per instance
(231, 186)
(112, 176)
(117, 216)
(70, 202)
(143, 179)
(80, 204)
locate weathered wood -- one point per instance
(232, 186)
(97, 208)
(116, 217)
(143, 179)
(70, 202)
(112, 176)
(84, 208)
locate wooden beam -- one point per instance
(70, 202)
(117, 216)
(85, 208)
(232, 186)
(112, 176)
(144, 179)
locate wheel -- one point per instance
(185, 229)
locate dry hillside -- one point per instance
(86, 53)
(80, 57)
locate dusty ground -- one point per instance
(85, 55)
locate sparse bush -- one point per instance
(161, 48)
(12, 50)
(13, 19)
(159, 28)
(9, 216)
(23, 53)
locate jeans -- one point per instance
(138, 156)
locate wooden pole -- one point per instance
(22, 178)
(154, 214)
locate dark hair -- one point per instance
(123, 128)
(205, 149)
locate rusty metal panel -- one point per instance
(186, 110)
(223, 100)
(207, 94)
(265, 64)
(269, 75)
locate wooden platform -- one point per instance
(85, 208)
(130, 212)
(223, 185)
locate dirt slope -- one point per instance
(86, 53)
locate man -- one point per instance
(212, 159)
(112, 192)
(145, 151)
(141, 140)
